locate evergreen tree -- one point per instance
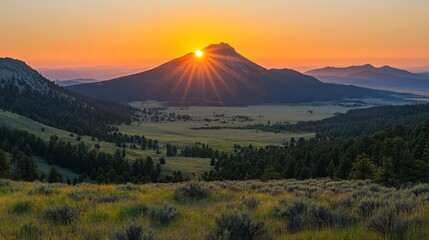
(425, 156)
(26, 169)
(5, 166)
(54, 176)
(330, 169)
(385, 174)
(362, 168)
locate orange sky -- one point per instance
(275, 33)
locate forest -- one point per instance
(391, 157)
(86, 160)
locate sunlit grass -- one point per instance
(106, 209)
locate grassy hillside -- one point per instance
(287, 209)
(188, 166)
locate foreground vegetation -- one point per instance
(287, 209)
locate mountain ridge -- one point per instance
(385, 77)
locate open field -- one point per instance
(288, 209)
(180, 134)
(186, 132)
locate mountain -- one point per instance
(25, 92)
(220, 77)
(385, 77)
(17, 73)
(71, 82)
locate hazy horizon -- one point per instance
(102, 73)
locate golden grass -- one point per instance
(98, 220)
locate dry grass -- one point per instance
(104, 210)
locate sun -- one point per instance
(199, 53)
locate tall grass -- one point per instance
(284, 209)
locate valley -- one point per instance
(181, 134)
(214, 120)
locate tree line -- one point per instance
(392, 156)
(81, 158)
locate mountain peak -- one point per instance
(219, 46)
(367, 66)
(18, 73)
(14, 64)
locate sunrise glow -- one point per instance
(199, 53)
(280, 34)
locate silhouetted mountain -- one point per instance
(369, 76)
(24, 91)
(220, 77)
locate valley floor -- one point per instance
(288, 209)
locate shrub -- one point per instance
(302, 215)
(389, 224)
(420, 189)
(250, 203)
(5, 183)
(42, 190)
(77, 195)
(367, 206)
(406, 205)
(191, 190)
(163, 214)
(21, 207)
(129, 187)
(63, 214)
(236, 226)
(134, 232)
(108, 199)
(136, 210)
(30, 231)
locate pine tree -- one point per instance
(386, 174)
(5, 166)
(363, 168)
(54, 176)
(26, 169)
(330, 169)
(425, 156)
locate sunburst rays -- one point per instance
(205, 74)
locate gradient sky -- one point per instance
(275, 33)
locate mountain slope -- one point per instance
(384, 77)
(26, 92)
(220, 77)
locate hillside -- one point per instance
(24, 91)
(188, 166)
(220, 77)
(385, 77)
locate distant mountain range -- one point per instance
(94, 72)
(220, 77)
(385, 77)
(71, 82)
